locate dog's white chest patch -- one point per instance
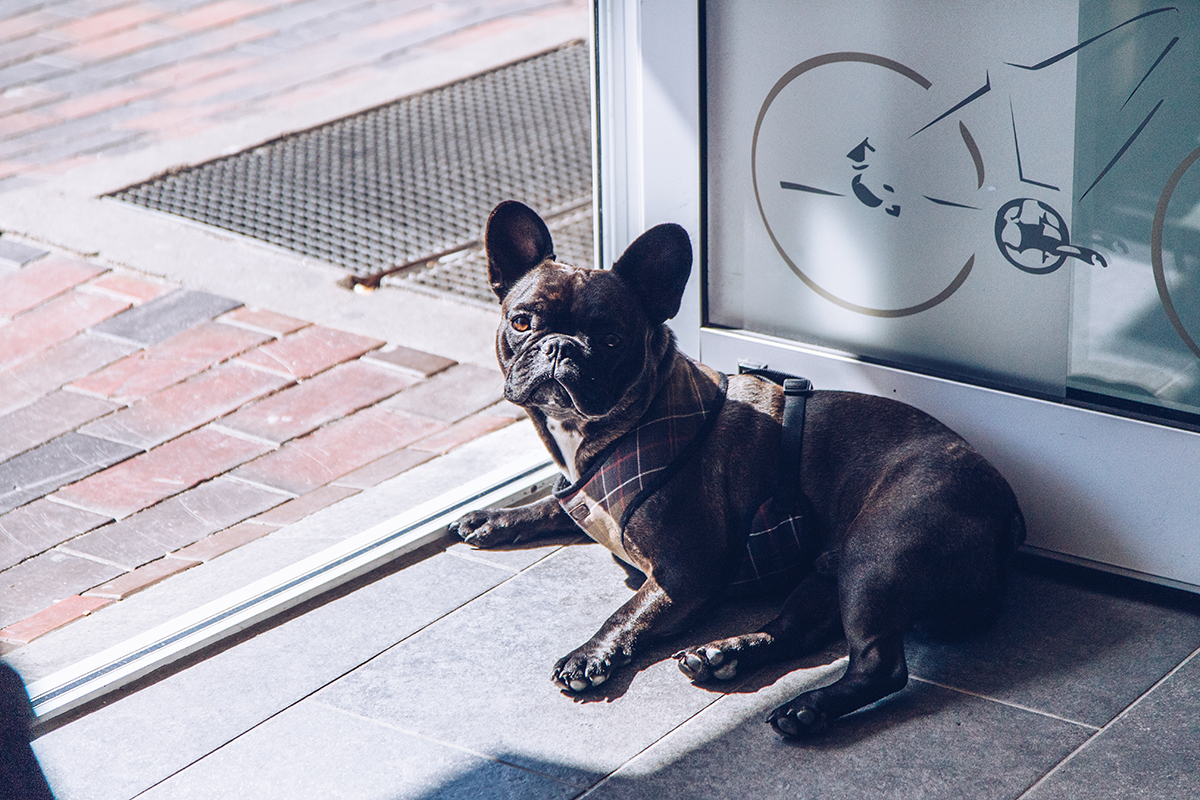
(568, 441)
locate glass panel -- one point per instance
(1136, 324)
(964, 189)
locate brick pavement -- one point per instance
(81, 79)
(146, 428)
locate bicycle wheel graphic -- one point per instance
(1156, 250)
(821, 205)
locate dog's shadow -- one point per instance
(1061, 628)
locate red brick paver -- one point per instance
(48, 277)
(338, 448)
(166, 470)
(53, 618)
(305, 407)
(169, 362)
(285, 405)
(185, 406)
(309, 351)
(60, 319)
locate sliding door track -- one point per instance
(124, 663)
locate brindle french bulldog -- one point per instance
(897, 522)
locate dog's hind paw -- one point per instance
(703, 663)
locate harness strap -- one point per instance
(796, 392)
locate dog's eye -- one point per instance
(612, 340)
(520, 323)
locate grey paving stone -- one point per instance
(57, 366)
(451, 395)
(176, 522)
(311, 751)
(165, 316)
(492, 661)
(40, 525)
(40, 582)
(925, 742)
(1149, 752)
(1061, 648)
(67, 459)
(28, 72)
(14, 254)
(143, 738)
(48, 417)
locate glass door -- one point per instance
(1000, 193)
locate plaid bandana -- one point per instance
(639, 463)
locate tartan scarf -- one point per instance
(643, 460)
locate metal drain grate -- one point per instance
(464, 274)
(408, 182)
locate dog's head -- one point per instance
(574, 343)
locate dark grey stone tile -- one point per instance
(64, 460)
(515, 558)
(40, 582)
(142, 738)
(14, 254)
(1149, 752)
(925, 742)
(61, 364)
(28, 72)
(314, 751)
(176, 522)
(480, 678)
(40, 525)
(165, 316)
(1062, 648)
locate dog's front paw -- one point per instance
(483, 529)
(706, 662)
(587, 668)
(798, 720)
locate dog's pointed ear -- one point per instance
(657, 266)
(517, 241)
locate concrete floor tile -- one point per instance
(166, 316)
(311, 751)
(925, 742)
(493, 659)
(140, 739)
(1064, 648)
(1148, 752)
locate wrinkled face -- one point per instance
(571, 341)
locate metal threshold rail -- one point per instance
(124, 663)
